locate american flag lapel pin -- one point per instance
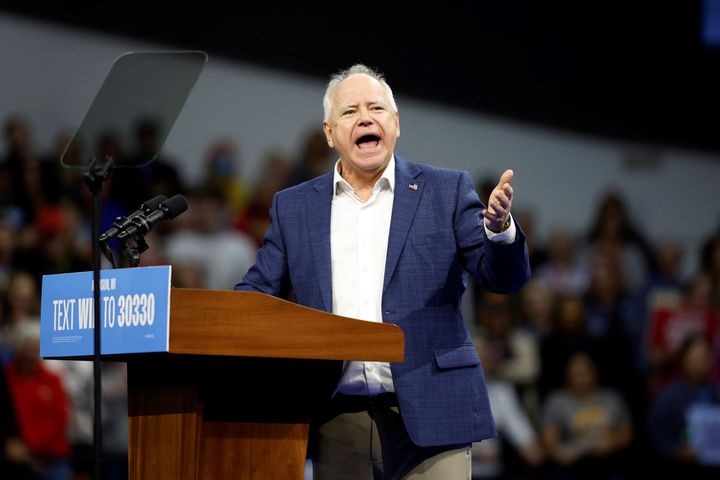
(413, 186)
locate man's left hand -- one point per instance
(497, 213)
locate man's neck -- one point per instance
(361, 182)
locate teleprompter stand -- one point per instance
(139, 86)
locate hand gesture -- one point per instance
(497, 213)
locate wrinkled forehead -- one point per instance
(359, 88)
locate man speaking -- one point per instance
(386, 240)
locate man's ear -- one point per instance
(397, 124)
(328, 134)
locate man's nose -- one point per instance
(365, 117)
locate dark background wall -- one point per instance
(635, 70)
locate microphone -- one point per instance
(121, 223)
(142, 224)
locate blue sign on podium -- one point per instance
(134, 312)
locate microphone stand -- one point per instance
(133, 251)
(94, 178)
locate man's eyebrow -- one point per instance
(374, 101)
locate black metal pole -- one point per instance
(97, 378)
(94, 177)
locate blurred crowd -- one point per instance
(606, 365)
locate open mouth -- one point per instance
(367, 141)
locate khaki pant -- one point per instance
(375, 446)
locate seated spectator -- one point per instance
(77, 378)
(21, 303)
(54, 248)
(115, 424)
(514, 350)
(528, 219)
(614, 233)
(315, 159)
(15, 457)
(710, 263)
(255, 219)
(7, 253)
(670, 433)
(665, 286)
(563, 273)
(608, 316)
(537, 307)
(672, 325)
(40, 405)
(586, 429)
(209, 243)
(155, 174)
(663, 290)
(513, 426)
(222, 171)
(568, 336)
(19, 155)
(606, 306)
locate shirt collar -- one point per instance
(386, 179)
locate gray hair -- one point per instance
(339, 77)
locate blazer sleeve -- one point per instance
(498, 268)
(269, 274)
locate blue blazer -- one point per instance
(436, 234)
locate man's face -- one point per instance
(362, 126)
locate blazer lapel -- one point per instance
(408, 189)
(318, 205)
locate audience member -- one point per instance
(210, 244)
(608, 317)
(77, 378)
(15, 457)
(537, 308)
(586, 429)
(710, 262)
(662, 290)
(21, 304)
(18, 154)
(40, 404)
(513, 350)
(151, 174)
(7, 254)
(222, 172)
(562, 273)
(254, 221)
(614, 297)
(513, 426)
(54, 248)
(316, 158)
(671, 326)
(670, 432)
(538, 254)
(615, 234)
(568, 336)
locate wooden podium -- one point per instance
(244, 374)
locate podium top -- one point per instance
(141, 314)
(219, 322)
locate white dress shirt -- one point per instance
(358, 244)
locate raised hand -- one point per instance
(497, 213)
